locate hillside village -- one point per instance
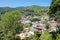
(37, 25)
(26, 25)
(30, 20)
(24, 21)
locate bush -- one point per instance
(58, 37)
(34, 19)
(46, 36)
(36, 36)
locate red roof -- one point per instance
(52, 21)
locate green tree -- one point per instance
(54, 9)
(58, 37)
(9, 25)
(46, 36)
(34, 19)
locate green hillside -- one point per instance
(26, 10)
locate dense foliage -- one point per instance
(34, 19)
(26, 10)
(9, 25)
(55, 9)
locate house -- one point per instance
(21, 35)
(34, 24)
(53, 24)
(25, 22)
(28, 32)
(42, 23)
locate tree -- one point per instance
(54, 9)
(46, 36)
(9, 25)
(34, 19)
(58, 37)
(55, 12)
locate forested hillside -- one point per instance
(29, 10)
(26, 10)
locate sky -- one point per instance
(17, 3)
